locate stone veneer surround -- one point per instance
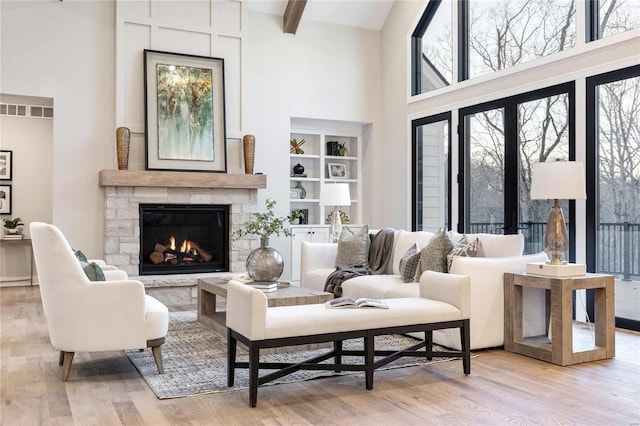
(124, 191)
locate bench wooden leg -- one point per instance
(465, 344)
(254, 366)
(231, 358)
(428, 339)
(369, 353)
(337, 348)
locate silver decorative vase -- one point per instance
(265, 263)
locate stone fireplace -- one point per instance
(126, 190)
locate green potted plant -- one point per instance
(11, 225)
(342, 149)
(265, 263)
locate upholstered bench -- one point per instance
(443, 303)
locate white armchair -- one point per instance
(85, 315)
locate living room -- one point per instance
(85, 60)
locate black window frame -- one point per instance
(416, 167)
(591, 177)
(511, 196)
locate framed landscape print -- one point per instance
(5, 199)
(6, 165)
(184, 112)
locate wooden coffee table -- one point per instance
(210, 288)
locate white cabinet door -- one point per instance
(314, 234)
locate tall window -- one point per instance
(432, 55)
(431, 170)
(500, 142)
(609, 17)
(613, 176)
(509, 32)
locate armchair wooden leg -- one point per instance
(157, 353)
(60, 361)
(66, 364)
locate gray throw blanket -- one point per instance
(379, 258)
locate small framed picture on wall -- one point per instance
(5, 199)
(6, 165)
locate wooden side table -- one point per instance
(16, 243)
(559, 350)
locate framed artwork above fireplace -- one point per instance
(184, 112)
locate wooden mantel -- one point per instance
(136, 178)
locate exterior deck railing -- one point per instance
(618, 249)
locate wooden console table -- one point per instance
(559, 350)
(23, 242)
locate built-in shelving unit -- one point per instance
(318, 159)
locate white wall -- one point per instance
(31, 141)
(65, 51)
(306, 75)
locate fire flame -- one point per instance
(172, 242)
(185, 247)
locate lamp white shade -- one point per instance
(336, 194)
(562, 180)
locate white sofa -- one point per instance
(503, 254)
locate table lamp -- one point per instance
(558, 180)
(336, 194)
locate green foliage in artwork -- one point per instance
(180, 86)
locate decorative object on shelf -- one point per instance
(11, 226)
(343, 218)
(332, 148)
(557, 180)
(298, 170)
(300, 188)
(342, 149)
(184, 112)
(5, 199)
(265, 263)
(304, 217)
(6, 165)
(123, 141)
(336, 195)
(296, 146)
(337, 171)
(249, 150)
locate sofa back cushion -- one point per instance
(495, 245)
(402, 241)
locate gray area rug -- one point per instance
(195, 360)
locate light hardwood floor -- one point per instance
(503, 388)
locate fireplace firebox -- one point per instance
(183, 239)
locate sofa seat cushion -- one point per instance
(318, 319)
(404, 290)
(374, 286)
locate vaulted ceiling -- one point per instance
(370, 14)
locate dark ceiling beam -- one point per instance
(292, 15)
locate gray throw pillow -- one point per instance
(409, 264)
(80, 255)
(434, 256)
(353, 249)
(93, 271)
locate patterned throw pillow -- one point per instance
(80, 255)
(353, 249)
(93, 271)
(465, 248)
(409, 264)
(434, 256)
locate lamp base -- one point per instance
(549, 270)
